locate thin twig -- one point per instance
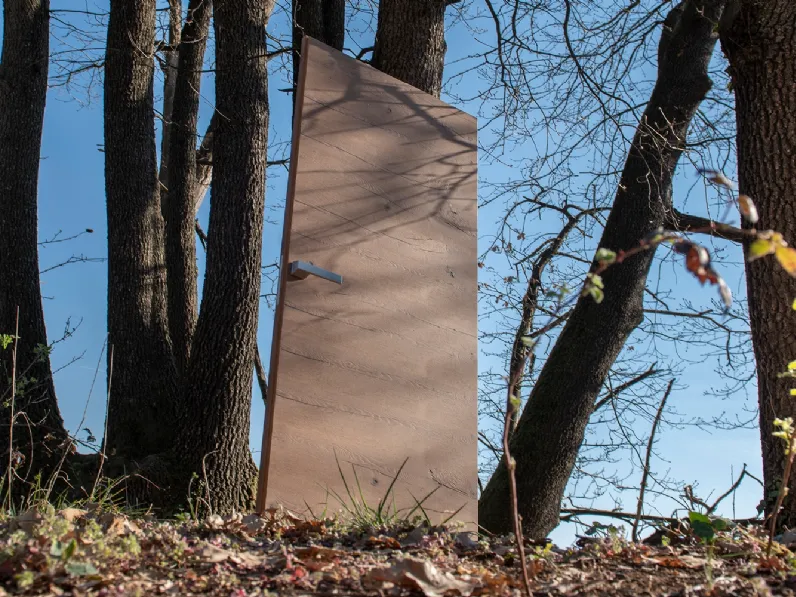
(688, 491)
(783, 490)
(91, 388)
(207, 482)
(567, 514)
(489, 445)
(733, 487)
(105, 432)
(512, 404)
(622, 387)
(647, 458)
(13, 397)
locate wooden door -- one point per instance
(381, 368)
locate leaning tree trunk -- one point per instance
(761, 46)
(410, 42)
(38, 430)
(141, 368)
(551, 429)
(179, 199)
(214, 440)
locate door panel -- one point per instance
(381, 368)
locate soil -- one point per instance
(88, 551)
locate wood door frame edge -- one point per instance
(276, 338)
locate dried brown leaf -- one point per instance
(384, 542)
(319, 552)
(421, 575)
(72, 514)
(27, 521)
(213, 554)
(116, 525)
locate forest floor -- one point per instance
(90, 552)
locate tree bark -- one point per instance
(323, 20)
(180, 196)
(142, 378)
(204, 165)
(215, 430)
(334, 23)
(38, 433)
(171, 59)
(410, 42)
(552, 426)
(760, 44)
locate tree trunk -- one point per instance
(760, 44)
(23, 90)
(334, 23)
(214, 437)
(170, 61)
(180, 198)
(551, 429)
(410, 42)
(323, 20)
(142, 373)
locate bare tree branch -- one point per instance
(647, 459)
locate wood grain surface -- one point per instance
(383, 367)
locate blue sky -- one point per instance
(71, 199)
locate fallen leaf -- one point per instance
(319, 552)
(27, 521)
(467, 541)
(254, 524)
(80, 568)
(787, 538)
(291, 517)
(421, 575)
(214, 521)
(72, 514)
(686, 561)
(118, 526)
(730, 547)
(212, 554)
(415, 536)
(383, 542)
(772, 563)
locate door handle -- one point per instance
(302, 269)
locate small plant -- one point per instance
(706, 527)
(193, 503)
(785, 431)
(6, 340)
(364, 517)
(13, 460)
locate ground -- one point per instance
(88, 551)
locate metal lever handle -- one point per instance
(302, 269)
